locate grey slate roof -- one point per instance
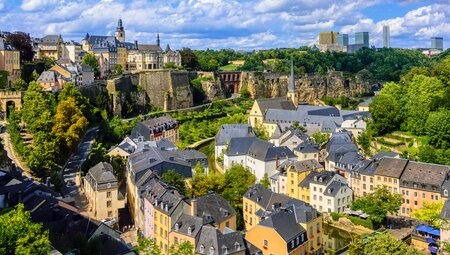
(323, 177)
(103, 173)
(334, 187)
(340, 143)
(306, 165)
(265, 197)
(391, 167)
(149, 47)
(426, 174)
(229, 131)
(285, 224)
(50, 39)
(47, 76)
(308, 179)
(445, 213)
(385, 154)
(239, 146)
(307, 147)
(151, 126)
(168, 202)
(186, 222)
(5, 46)
(275, 103)
(349, 158)
(213, 205)
(222, 244)
(266, 151)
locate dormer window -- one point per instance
(224, 250)
(202, 248)
(237, 246)
(446, 193)
(211, 250)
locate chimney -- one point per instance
(277, 161)
(193, 207)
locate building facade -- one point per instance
(9, 61)
(386, 36)
(362, 38)
(328, 37)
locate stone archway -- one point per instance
(9, 104)
(10, 98)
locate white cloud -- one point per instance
(32, 5)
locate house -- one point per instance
(259, 203)
(445, 219)
(9, 61)
(212, 241)
(261, 106)
(128, 146)
(50, 46)
(364, 106)
(52, 81)
(72, 51)
(186, 229)
(78, 74)
(330, 192)
(388, 173)
(228, 131)
(307, 150)
(355, 126)
(290, 138)
(338, 146)
(155, 129)
(215, 210)
(152, 58)
(102, 191)
(296, 173)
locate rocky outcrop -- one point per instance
(309, 86)
(212, 85)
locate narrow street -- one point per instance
(13, 155)
(70, 170)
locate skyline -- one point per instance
(216, 24)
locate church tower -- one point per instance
(292, 94)
(158, 42)
(120, 32)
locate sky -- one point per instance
(236, 24)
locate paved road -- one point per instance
(71, 169)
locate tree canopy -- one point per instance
(378, 204)
(22, 42)
(381, 244)
(19, 235)
(176, 180)
(430, 212)
(92, 61)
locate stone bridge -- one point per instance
(10, 98)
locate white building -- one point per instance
(72, 51)
(330, 192)
(228, 131)
(290, 138)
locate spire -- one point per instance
(158, 42)
(292, 87)
(168, 48)
(119, 24)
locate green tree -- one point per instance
(380, 244)
(265, 182)
(184, 248)
(35, 75)
(91, 60)
(70, 124)
(438, 128)
(188, 59)
(237, 181)
(19, 84)
(19, 235)
(365, 140)
(297, 125)
(49, 62)
(44, 156)
(378, 204)
(320, 138)
(386, 113)
(22, 42)
(3, 79)
(118, 69)
(37, 109)
(430, 212)
(176, 180)
(147, 247)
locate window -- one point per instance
(108, 194)
(415, 202)
(314, 188)
(423, 195)
(227, 224)
(266, 243)
(364, 178)
(318, 227)
(329, 202)
(432, 197)
(407, 192)
(446, 193)
(371, 179)
(292, 244)
(407, 201)
(395, 181)
(315, 197)
(385, 179)
(175, 240)
(379, 178)
(320, 190)
(415, 194)
(390, 179)
(108, 204)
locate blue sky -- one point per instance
(237, 24)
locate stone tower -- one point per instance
(292, 94)
(120, 32)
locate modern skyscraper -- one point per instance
(362, 38)
(386, 36)
(342, 39)
(328, 37)
(437, 43)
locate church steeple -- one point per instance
(292, 87)
(120, 31)
(158, 42)
(292, 94)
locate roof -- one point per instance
(275, 103)
(307, 147)
(48, 76)
(334, 187)
(149, 47)
(151, 126)
(51, 39)
(366, 102)
(265, 197)
(168, 202)
(5, 46)
(391, 167)
(306, 165)
(102, 173)
(266, 151)
(425, 174)
(290, 133)
(212, 239)
(323, 177)
(228, 131)
(188, 225)
(284, 223)
(213, 205)
(385, 154)
(340, 143)
(445, 213)
(239, 146)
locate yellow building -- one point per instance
(259, 202)
(101, 189)
(328, 37)
(50, 46)
(260, 106)
(388, 173)
(296, 174)
(9, 61)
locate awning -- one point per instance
(428, 230)
(433, 249)
(430, 240)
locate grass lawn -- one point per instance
(229, 67)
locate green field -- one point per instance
(229, 67)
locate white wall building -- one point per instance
(330, 192)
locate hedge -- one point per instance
(335, 216)
(358, 221)
(387, 143)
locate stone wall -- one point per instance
(214, 88)
(309, 86)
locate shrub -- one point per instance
(388, 143)
(358, 221)
(335, 216)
